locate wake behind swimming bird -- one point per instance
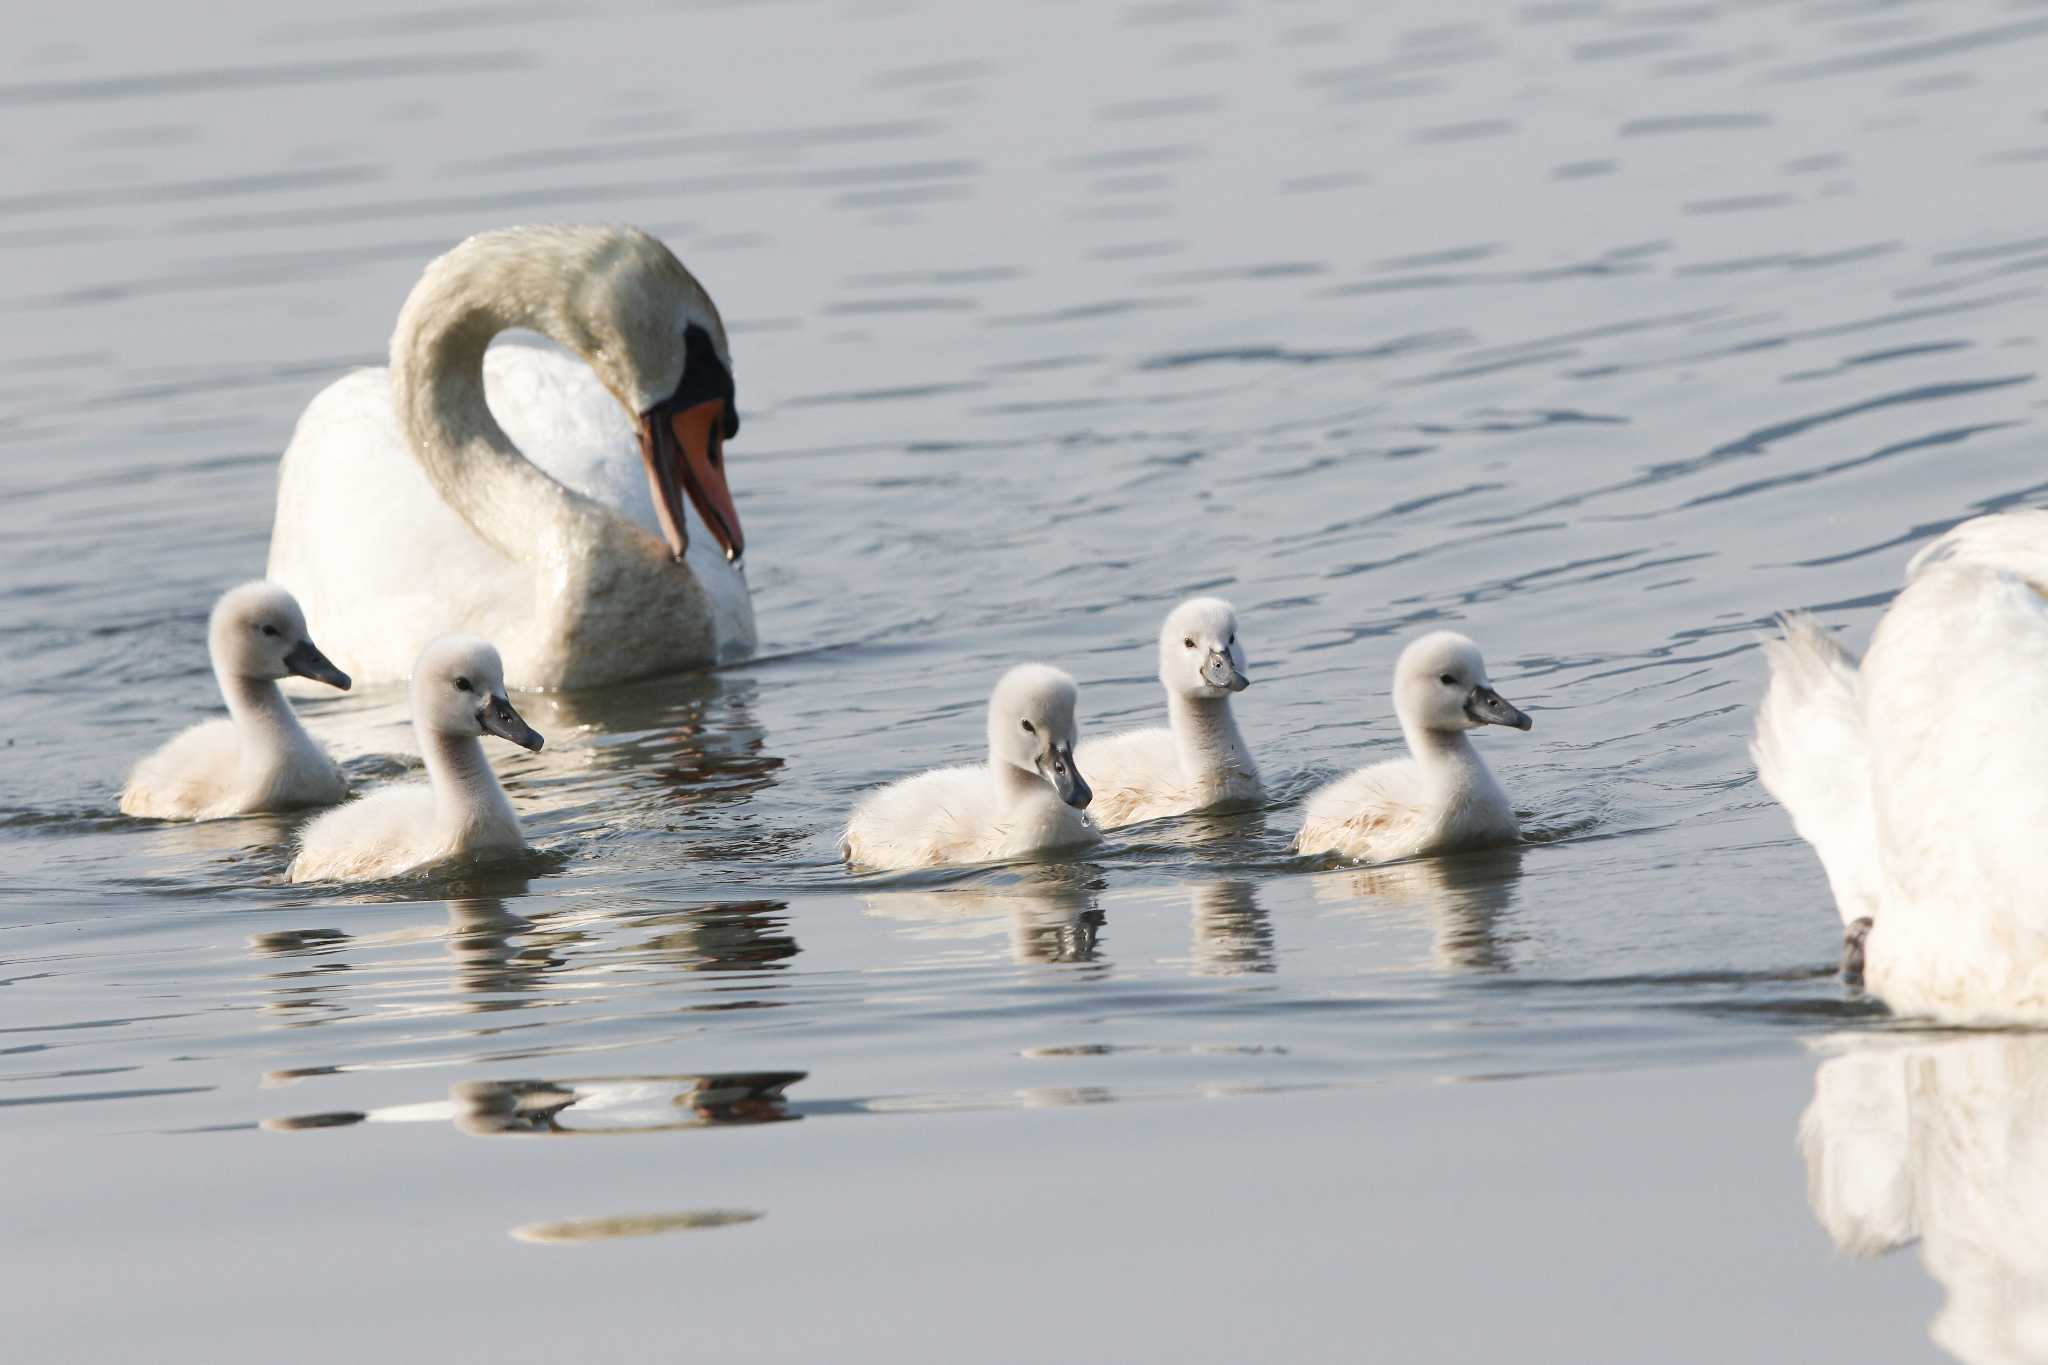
(1442, 798)
(260, 758)
(1027, 799)
(1920, 776)
(460, 811)
(1199, 761)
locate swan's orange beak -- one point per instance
(684, 447)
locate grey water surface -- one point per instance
(1600, 332)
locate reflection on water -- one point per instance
(1944, 1141)
(574, 1231)
(1231, 934)
(592, 1105)
(1049, 913)
(1466, 898)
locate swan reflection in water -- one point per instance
(585, 1106)
(1943, 1140)
(1465, 896)
(1051, 912)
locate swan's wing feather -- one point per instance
(1811, 755)
(553, 407)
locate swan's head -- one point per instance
(1199, 655)
(621, 300)
(1031, 726)
(656, 339)
(1440, 683)
(258, 631)
(458, 688)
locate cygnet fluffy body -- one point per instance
(260, 758)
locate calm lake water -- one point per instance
(1598, 332)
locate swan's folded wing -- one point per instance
(1810, 753)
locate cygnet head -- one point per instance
(1199, 655)
(458, 688)
(258, 631)
(1031, 726)
(1440, 684)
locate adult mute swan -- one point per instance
(1028, 799)
(1199, 761)
(580, 517)
(1920, 777)
(460, 811)
(260, 758)
(1442, 798)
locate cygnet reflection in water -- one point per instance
(1229, 931)
(1052, 913)
(735, 936)
(1943, 1140)
(585, 1106)
(1465, 896)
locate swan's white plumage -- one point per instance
(562, 562)
(1809, 753)
(1443, 797)
(1941, 843)
(260, 758)
(460, 811)
(989, 812)
(1199, 761)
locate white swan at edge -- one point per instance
(1920, 777)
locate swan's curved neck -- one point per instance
(1205, 735)
(269, 730)
(468, 798)
(437, 381)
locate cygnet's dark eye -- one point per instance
(462, 685)
(1029, 728)
(271, 631)
(1448, 681)
(1189, 643)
